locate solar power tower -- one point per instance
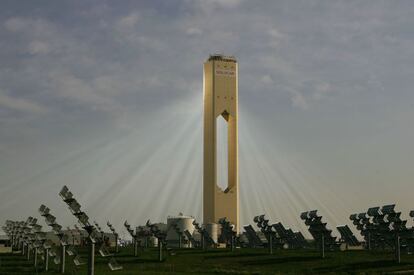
(322, 235)
(93, 235)
(267, 229)
(220, 100)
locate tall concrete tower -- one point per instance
(220, 99)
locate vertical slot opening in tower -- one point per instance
(222, 153)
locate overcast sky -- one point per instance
(106, 97)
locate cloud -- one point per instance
(38, 47)
(276, 36)
(321, 90)
(35, 27)
(80, 73)
(128, 22)
(21, 105)
(193, 31)
(222, 3)
(67, 86)
(299, 100)
(267, 80)
(15, 24)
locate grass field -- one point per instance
(221, 261)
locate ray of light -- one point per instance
(155, 170)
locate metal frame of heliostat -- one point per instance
(63, 239)
(363, 224)
(377, 229)
(410, 241)
(28, 235)
(83, 219)
(161, 235)
(205, 238)
(383, 227)
(93, 236)
(72, 234)
(347, 236)
(191, 239)
(143, 233)
(103, 249)
(80, 233)
(36, 245)
(24, 232)
(252, 237)
(35, 241)
(134, 237)
(267, 229)
(18, 236)
(228, 234)
(11, 228)
(100, 230)
(40, 245)
(115, 235)
(180, 234)
(400, 232)
(8, 228)
(392, 229)
(287, 236)
(320, 233)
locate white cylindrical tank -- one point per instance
(212, 230)
(183, 223)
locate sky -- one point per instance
(106, 98)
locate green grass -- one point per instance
(222, 261)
